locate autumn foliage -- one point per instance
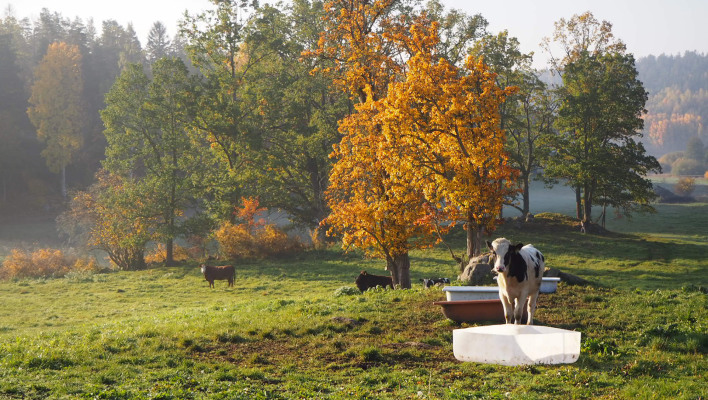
(111, 217)
(427, 148)
(253, 237)
(670, 129)
(685, 186)
(56, 106)
(159, 254)
(446, 120)
(357, 46)
(43, 263)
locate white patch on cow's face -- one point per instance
(203, 268)
(500, 247)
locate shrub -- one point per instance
(43, 263)
(668, 159)
(346, 291)
(274, 241)
(159, 254)
(235, 241)
(252, 238)
(685, 186)
(686, 166)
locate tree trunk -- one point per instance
(392, 268)
(63, 182)
(169, 252)
(474, 238)
(587, 206)
(527, 194)
(403, 266)
(578, 204)
(470, 241)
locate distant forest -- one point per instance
(677, 105)
(26, 183)
(678, 100)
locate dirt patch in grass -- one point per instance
(414, 340)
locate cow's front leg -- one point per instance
(508, 308)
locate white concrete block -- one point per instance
(516, 344)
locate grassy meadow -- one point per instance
(294, 328)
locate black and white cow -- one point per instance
(430, 282)
(520, 271)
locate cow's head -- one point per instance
(363, 276)
(503, 250)
(203, 268)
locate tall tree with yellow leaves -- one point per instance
(357, 46)
(373, 209)
(428, 146)
(56, 107)
(444, 120)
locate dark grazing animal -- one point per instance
(520, 271)
(223, 272)
(430, 282)
(366, 281)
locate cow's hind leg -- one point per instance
(531, 307)
(519, 310)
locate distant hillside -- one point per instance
(678, 100)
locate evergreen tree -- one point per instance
(158, 43)
(13, 119)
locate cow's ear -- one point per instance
(489, 244)
(518, 247)
(363, 272)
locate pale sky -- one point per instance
(646, 26)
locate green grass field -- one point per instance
(288, 331)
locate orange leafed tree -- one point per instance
(356, 48)
(110, 217)
(373, 209)
(445, 121)
(423, 144)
